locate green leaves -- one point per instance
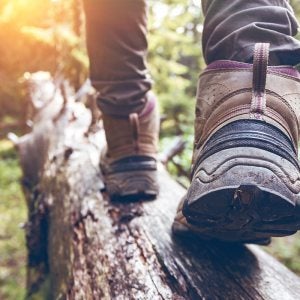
(175, 60)
(175, 57)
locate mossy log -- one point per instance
(83, 246)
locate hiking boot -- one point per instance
(129, 161)
(245, 174)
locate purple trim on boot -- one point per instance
(150, 105)
(227, 64)
(290, 71)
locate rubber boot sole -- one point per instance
(245, 195)
(132, 185)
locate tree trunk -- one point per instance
(83, 246)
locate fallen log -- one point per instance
(83, 246)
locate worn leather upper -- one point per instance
(133, 135)
(226, 95)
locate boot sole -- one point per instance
(132, 185)
(245, 195)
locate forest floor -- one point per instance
(13, 216)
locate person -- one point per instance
(245, 182)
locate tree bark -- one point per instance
(83, 246)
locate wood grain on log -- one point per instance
(83, 246)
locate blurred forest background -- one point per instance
(48, 35)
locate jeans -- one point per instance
(117, 43)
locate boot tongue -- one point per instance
(228, 64)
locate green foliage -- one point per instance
(12, 214)
(175, 58)
(175, 61)
(18, 54)
(37, 35)
(287, 250)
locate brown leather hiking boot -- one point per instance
(245, 175)
(129, 161)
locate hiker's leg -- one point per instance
(245, 172)
(232, 27)
(117, 47)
